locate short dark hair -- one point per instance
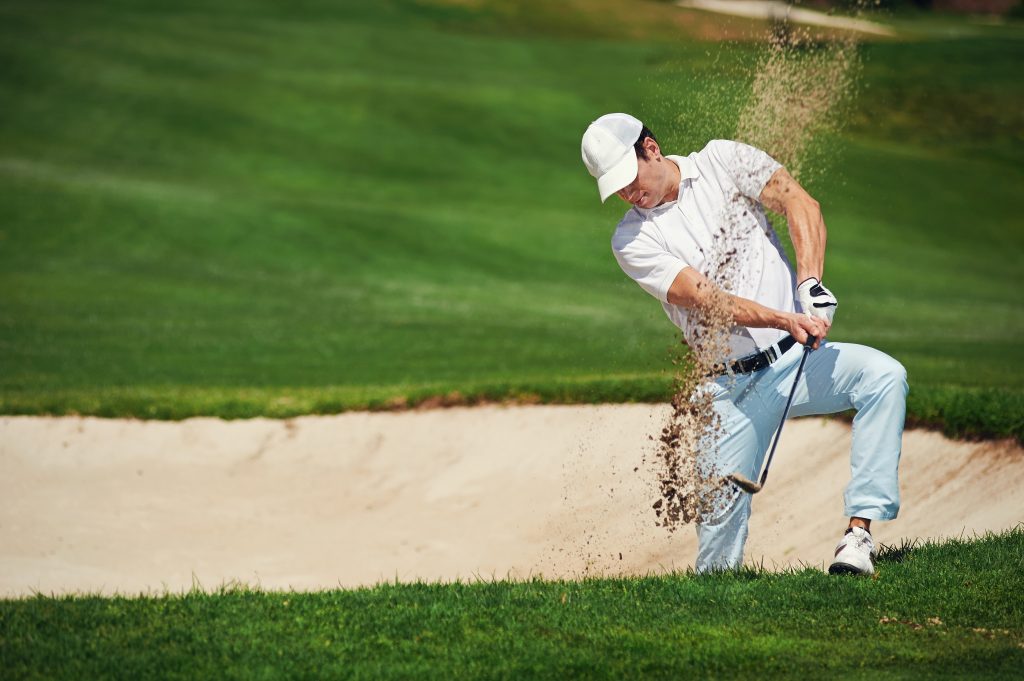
(645, 132)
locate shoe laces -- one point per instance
(861, 539)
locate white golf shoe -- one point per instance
(855, 554)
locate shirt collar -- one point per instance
(687, 171)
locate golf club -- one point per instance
(742, 481)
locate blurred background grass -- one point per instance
(250, 208)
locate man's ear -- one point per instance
(652, 148)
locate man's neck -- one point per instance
(676, 178)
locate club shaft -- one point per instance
(785, 412)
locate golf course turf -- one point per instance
(950, 610)
(249, 210)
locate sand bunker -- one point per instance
(771, 10)
(316, 502)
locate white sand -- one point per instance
(111, 505)
(777, 10)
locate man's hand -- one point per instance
(800, 326)
(816, 300)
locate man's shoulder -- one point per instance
(708, 160)
(629, 226)
(719, 148)
(731, 152)
(736, 164)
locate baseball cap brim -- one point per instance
(620, 175)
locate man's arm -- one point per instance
(785, 196)
(691, 289)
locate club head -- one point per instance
(744, 483)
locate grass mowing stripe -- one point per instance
(937, 610)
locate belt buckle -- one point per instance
(748, 363)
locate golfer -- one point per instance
(681, 210)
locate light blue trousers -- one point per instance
(836, 377)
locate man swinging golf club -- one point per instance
(665, 243)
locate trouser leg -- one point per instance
(740, 447)
(840, 376)
(836, 377)
(721, 540)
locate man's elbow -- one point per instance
(691, 291)
(675, 296)
(803, 201)
(805, 209)
(683, 292)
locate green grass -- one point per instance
(949, 610)
(250, 208)
(928, 25)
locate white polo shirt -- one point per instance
(716, 226)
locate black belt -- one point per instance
(758, 360)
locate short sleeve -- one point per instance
(646, 262)
(748, 167)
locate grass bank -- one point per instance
(222, 209)
(949, 610)
(975, 413)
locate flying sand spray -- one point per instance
(798, 94)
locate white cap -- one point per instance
(608, 151)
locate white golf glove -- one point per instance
(816, 300)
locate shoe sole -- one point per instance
(845, 569)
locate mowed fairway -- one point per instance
(245, 209)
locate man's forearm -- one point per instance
(746, 312)
(807, 230)
(690, 289)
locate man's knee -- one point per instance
(887, 373)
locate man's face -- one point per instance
(654, 183)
